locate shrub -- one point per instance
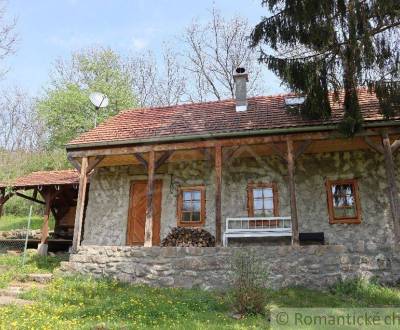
(249, 279)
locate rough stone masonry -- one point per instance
(316, 266)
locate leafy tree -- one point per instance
(320, 46)
(65, 106)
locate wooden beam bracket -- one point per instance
(163, 158)
(302, 149)
(374, 146)
(95, 163)
(395, 146)
(74, 162)
(229, 155)
(32, 199)
(279, 152)
(141, 159)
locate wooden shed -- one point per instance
(57, 191)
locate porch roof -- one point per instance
(213, 119)
(44, 178)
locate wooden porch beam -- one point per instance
(392, 184)
(80, 205)
(141, 159)
(226, 142)
(292, 192)
(231, 142)
(148, 229)
(218, 190)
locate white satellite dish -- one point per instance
(99, 100)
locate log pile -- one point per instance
(186, 236)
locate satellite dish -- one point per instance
(99, 100)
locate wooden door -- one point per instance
(137, 212)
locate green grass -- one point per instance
(10, 222)
(85, 303)
(11, 266)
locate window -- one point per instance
(262, 200)
(343, 201)
(191, 206)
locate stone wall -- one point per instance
(209, 268)
(107, 211)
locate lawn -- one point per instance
(84, 303)
(10, 222)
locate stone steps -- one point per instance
(10, 295)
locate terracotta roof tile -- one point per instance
(44, 178)
(264, 112)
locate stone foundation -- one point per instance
(315, 266)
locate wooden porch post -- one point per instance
(391, 177)
(148, 229)
(80, 205)
(292, 192)
(218, 188)
(48, 197)
(2, 200)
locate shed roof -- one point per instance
(44, 178)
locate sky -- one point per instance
(49, 29)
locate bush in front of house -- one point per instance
(249, 281)
(188, 236)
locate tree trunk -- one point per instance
(392, 184)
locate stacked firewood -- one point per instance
(186, 236)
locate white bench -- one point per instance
(257, 227)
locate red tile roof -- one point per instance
(264, 112)
(44, 178)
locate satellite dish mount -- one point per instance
(99, 100)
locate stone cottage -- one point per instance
(248, 170)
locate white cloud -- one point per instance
(139, 43)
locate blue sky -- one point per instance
(49, 29)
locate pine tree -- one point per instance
(321, 46)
